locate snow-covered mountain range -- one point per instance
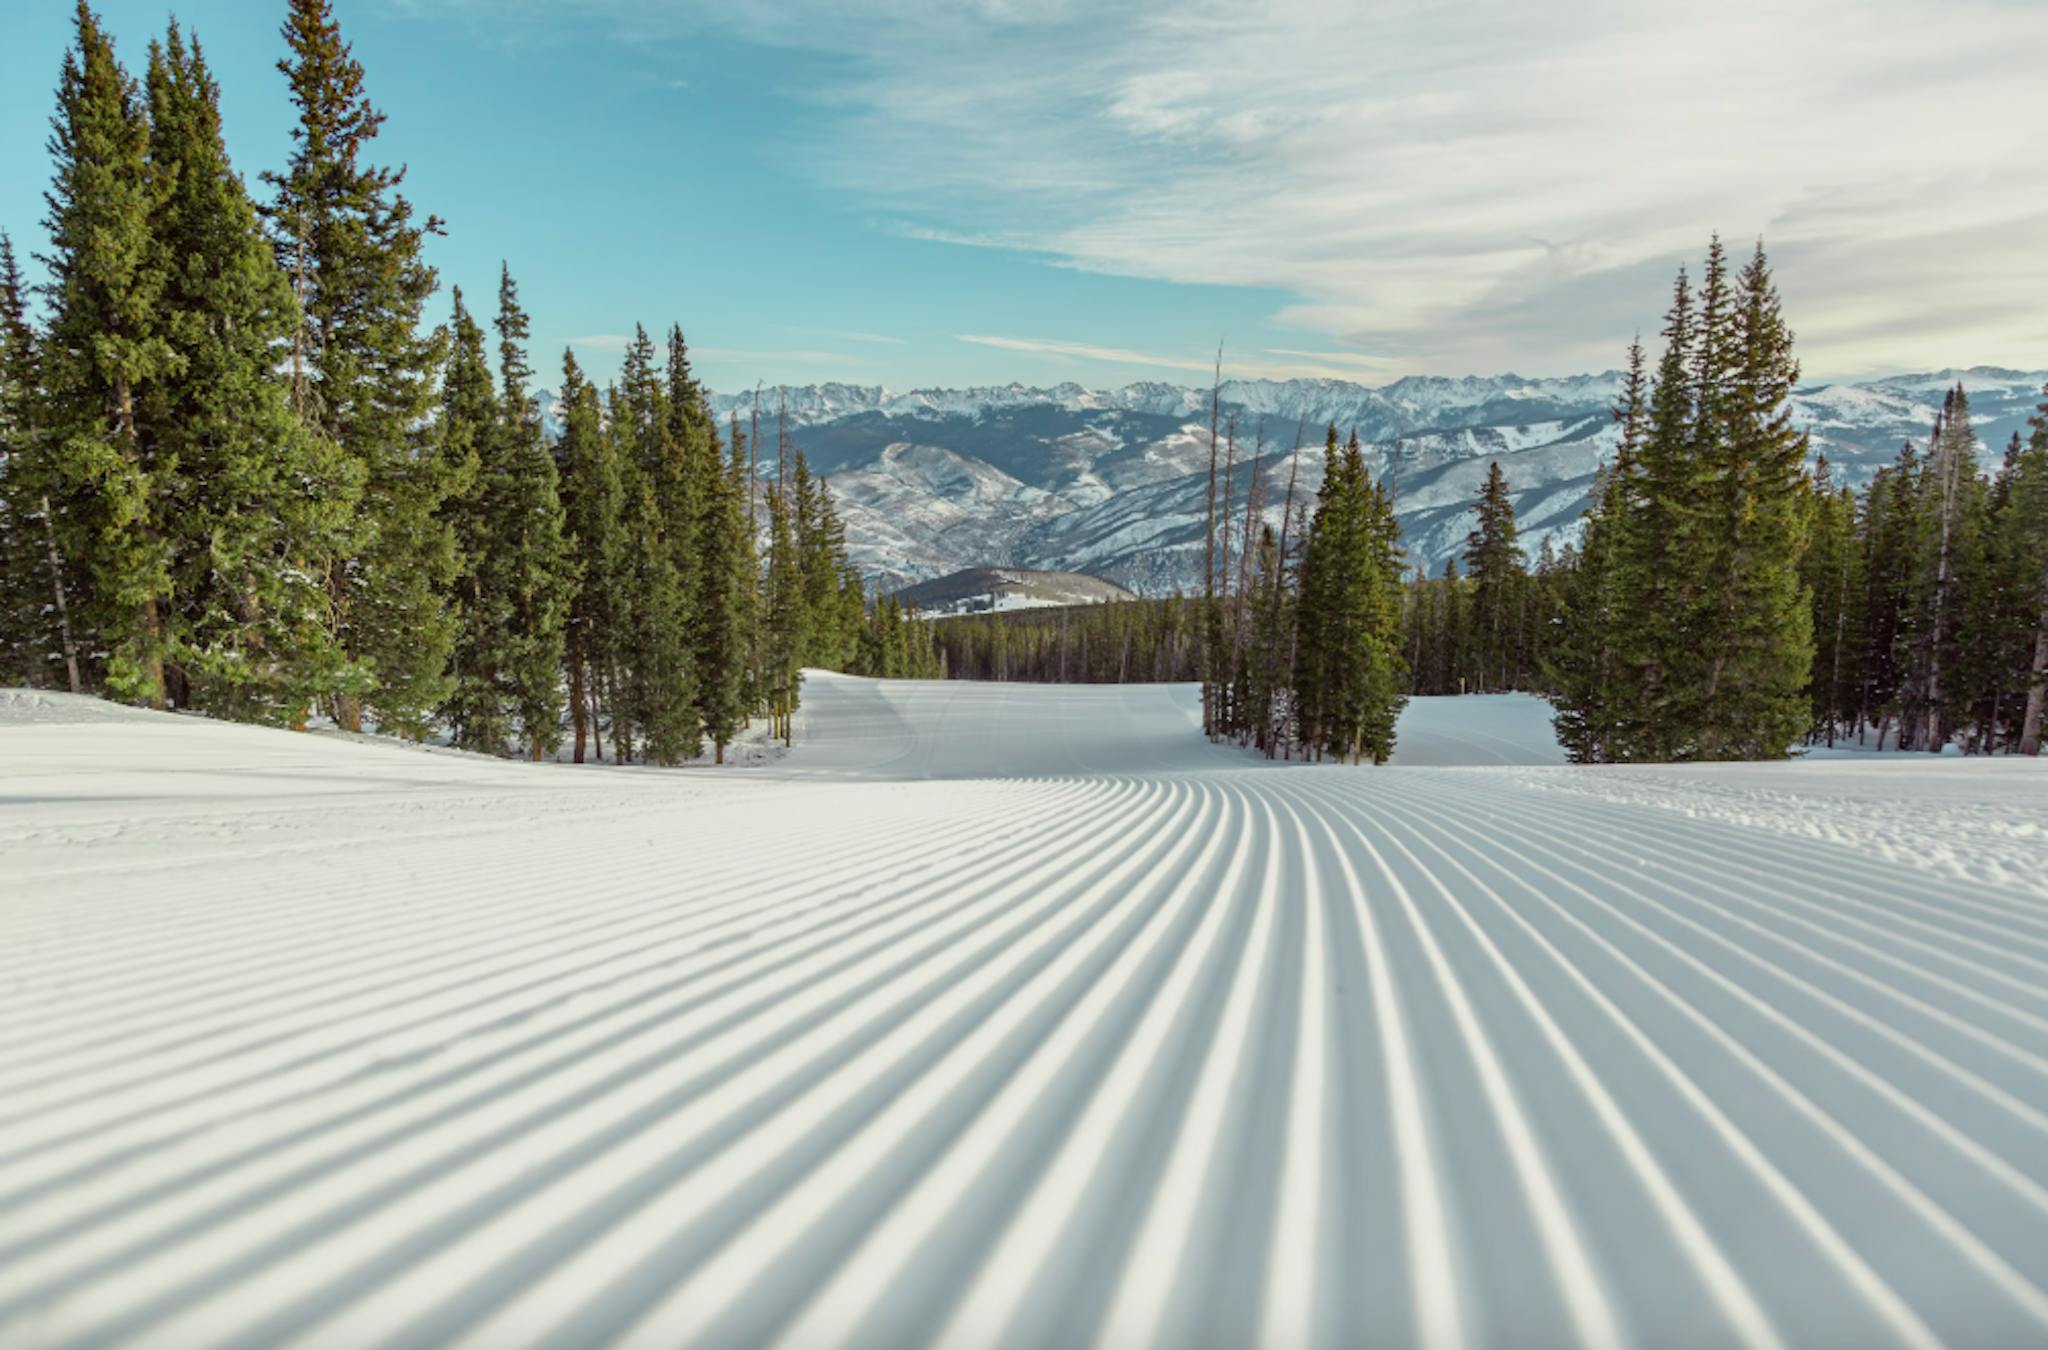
(1114, 481)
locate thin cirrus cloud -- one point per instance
(1487, 185)
(1293, 364)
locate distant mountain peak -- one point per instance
(1113, 482)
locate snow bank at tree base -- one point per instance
(1014, 1015)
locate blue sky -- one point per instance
(912, 192)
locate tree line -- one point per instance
(1493, 629)
(1140, 641)
(1930, 594)
(1727, 602)
(242, 472)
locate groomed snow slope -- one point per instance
(1014, 1015)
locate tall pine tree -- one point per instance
(363, 374)
(593, 504)
(1493, 561)
(259, 507)
(1757, 620)
(105, 348)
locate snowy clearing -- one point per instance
(1014, 1015)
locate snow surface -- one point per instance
(1014, 1015)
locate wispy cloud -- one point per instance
(1298, 365)
(602, 342)
(1481, 186)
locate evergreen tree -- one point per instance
(363, 375)
(36, 644)
(658, 672)
(593, 503)
(105, 348)
(1689, 631)
(476, 707)
(1758, 622)
(1886, 530)
(1316, 635)
(1947, 518)
(1998, 629)
(1656, 585)
(821, 553)
(1832, 575)
(724, 594)
(529, 554)
(1493, 560)
(783, 619)
(747, 614)
(1350, 677)
(2028, 540)
(663, 678)
(258, 506)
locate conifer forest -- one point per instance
(259, 462)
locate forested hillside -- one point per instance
(252, 467)
(1727, 601)
(255, 462)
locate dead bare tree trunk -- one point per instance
(63, 603)
(1281, 739)
(576, 698)
(1209, 559)
(150, 614)
(2037, 684)
(1949, 468)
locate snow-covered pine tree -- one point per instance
(363, 374)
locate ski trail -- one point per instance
(1012, 1015)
